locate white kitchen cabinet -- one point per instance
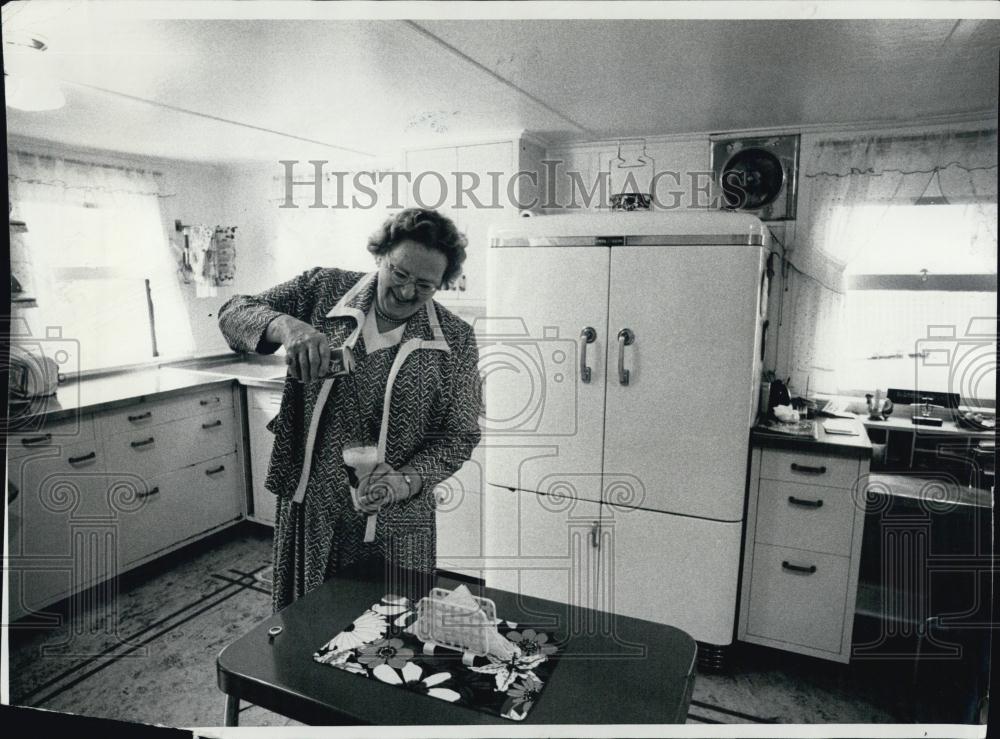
(475, 221)
(173, 445)
(432, 177)
(262, 406)
(93, 500)
(812, 600)
(179, 505)
(174, 469)
(62, 533)
(150, 413)
(803, 546)
(489, 171)
(33, 436)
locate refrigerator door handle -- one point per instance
(588, 335)
(626, 337)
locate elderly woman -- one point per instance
(414, 390)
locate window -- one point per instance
(921, 300)
(96, 235)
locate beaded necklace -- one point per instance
(388, 319)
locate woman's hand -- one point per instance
(385, 485)
(307, 350)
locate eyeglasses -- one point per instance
(401, 278)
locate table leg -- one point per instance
(232, 711)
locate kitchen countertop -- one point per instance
(841, 444)
(105, 392)
(254, 370)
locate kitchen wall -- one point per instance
(284, 242)
(194, 194)
(689, 156)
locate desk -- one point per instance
(633, 671)
(947, 430)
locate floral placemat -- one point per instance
(378, 645)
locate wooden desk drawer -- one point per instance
(798, 597)
(809, 468)
(171, 446)
(147, 414)
(811, 517)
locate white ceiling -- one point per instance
(374, 85)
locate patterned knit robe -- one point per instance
(432, 425)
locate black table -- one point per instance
(612, 670)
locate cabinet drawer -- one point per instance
(35, 435)
(171, 446)
(146, 414)
(59, 526)
(812, 517)
(809, 467)
(179, 505)
(796, 607)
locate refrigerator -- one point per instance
(621, 357)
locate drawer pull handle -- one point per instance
(799, 568)
(37, 440)
(806, 468)
(211, 425)
(209, 402)
(805, 503)
(84, 458)
(146, 442)
(216, 471)
(154, 491)
(594, 535)
(147, 414)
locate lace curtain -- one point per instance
(881, 171)
(847, 184)
(96, 234)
